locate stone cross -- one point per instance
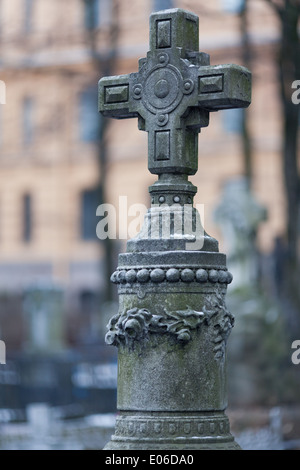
(172, 326)
(174, 91)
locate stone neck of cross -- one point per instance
(172, 189)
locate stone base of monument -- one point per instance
(172, 431)
(171, 333)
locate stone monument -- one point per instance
(43, 311)
(173, 324)
(239, 215)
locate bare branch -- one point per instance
(278, 9)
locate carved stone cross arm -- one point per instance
(174, 91)
(224, 87)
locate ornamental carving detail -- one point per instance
(171, 275)
(137, 324)
(220, 320)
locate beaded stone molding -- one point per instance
(172, 275)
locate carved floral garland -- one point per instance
(136, 324)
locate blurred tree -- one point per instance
(240, 8)
(288, 60)
(246, 57)
(104, 65)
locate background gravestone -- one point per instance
(239, 216)
(43, 309)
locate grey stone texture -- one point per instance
(172, 325)
(173, 92)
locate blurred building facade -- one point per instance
(53, 141)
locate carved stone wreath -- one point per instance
(137, 324)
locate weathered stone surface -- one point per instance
(173, 92)
(173, 323)
(174, 431)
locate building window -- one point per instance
(89, 204)
(1, 124)
(2, 92)
(88, 302)
(91, 14)
(233, 120)
(26, 218)
(162, 5)
(89, 117)
(28, 120)
(28, 14)
(233, 6)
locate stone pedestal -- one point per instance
(171, 332)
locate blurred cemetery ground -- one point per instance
(59, 161)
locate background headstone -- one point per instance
(43, 308)
(239, 216)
